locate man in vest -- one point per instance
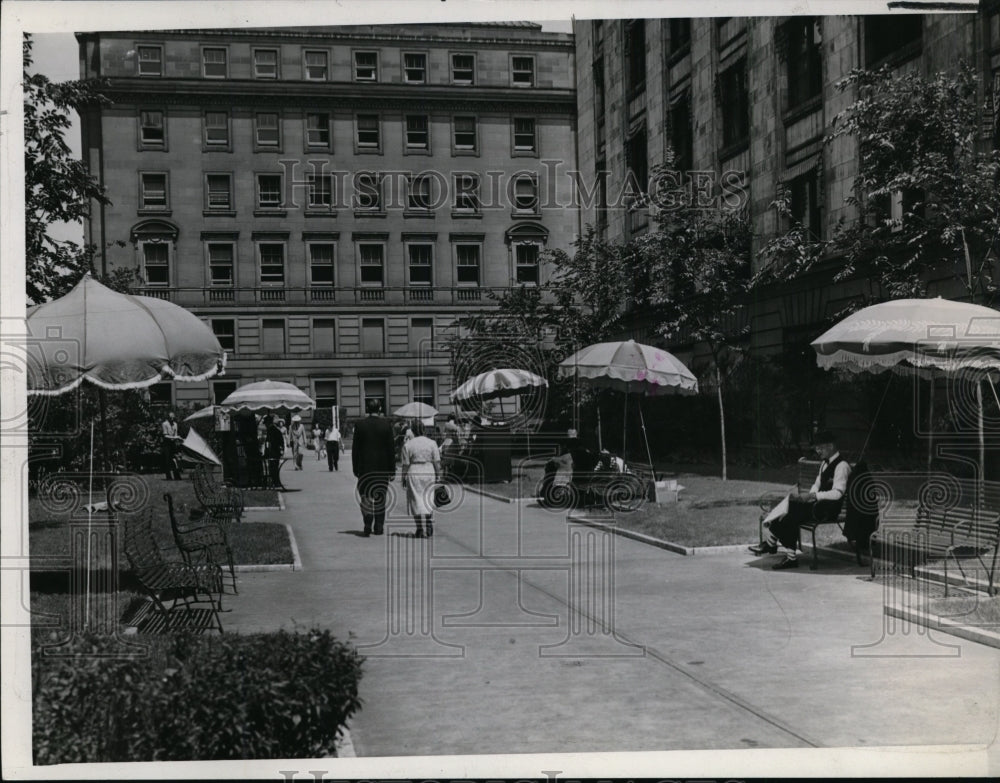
(822, 502)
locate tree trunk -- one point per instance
(722, 419)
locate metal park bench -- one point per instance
(213, 496)
(954, 521)
(205, 540)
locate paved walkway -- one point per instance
(494, 637)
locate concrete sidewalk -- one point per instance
(513, 632)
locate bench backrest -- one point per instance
(970, 508)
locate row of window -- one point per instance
(320, 260)
(366, 66)
(423, 193)
(323, 334)
(317, 133)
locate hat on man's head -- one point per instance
(296, 417)
(824, 436)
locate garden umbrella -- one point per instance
(499, 384)
(924, 337)
(415, 410)
(630, 367)
(274, 396)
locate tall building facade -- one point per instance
(331, 200)
(745, 104)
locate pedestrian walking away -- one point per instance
(319, 445)
(373, 457)
(421, 470)
(822, 502)
(332, 439)
(297, 440)
(274, 450)
(168, 447)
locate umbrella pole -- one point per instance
(982, 440)
(102, 399)
(642, 422)
(624, 427)
(930, 429)
(90, 513)
(600, 443)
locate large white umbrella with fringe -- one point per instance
(274, 396)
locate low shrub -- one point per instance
(261, 696)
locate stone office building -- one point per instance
(331, 200)
(746, 102)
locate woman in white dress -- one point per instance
(421, 467)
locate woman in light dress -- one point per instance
(421, 468)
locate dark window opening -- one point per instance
(804, 64)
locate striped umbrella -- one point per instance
(498, 384)
(274, 396)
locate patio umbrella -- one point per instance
(274, 396)
(498, 384)
(633, 368)
(924, 337)
(415, 410)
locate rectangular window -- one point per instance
(272, 335)
(220, 191)
(368, 137)
(272, 263)
(153, 191)
(421, 335)
(373, 390)
(680, 34)
(214, 63)
(635, 57)
(467, 264)
(463, 68)
(161, 394)
(150, 60)
(316, 66)
(804, 62)
(417, 137)
(372, 335)
(325, 393)
(318, 130)
(526, 194)
(324, 335)
(372, 265)
(464, 132)
(681, 135)
(220, 264)
(269, 191)
(267, 130)
(422, 390)
(156, 262)
(151, 129)
(804, 203)
(265, 63)
(217, 129)
(366, 66)
(418, 196)
(321, 264)
(526, 264)
(598, 69)
(222, 389)
(368, 191)
(319, 189)
(421, 264)
(637, 160)
(522, 71)
(735, 100)
(892, 36)
(524, 134)
(224, 330)
(414, 68)
(467, 193)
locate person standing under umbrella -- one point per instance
(297, 440)
(274, 450)
(168, 447)
(421, 466)
(373, 457)
(332, 437)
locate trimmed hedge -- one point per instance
(261, 696)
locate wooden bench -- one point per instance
(955, 520)
(808, 469)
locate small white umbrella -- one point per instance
(415, 410)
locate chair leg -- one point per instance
(815, 561)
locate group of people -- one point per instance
(373, 458)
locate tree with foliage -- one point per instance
(697, 272)
(927, 190)
(57, 187)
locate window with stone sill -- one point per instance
(414, 67)
(153, 194)
(366, 66)
(463, 68)
(269, 191)
(318, 130)
(316, 66)
(150, 60)
(265, 63)
(221, 264)
(152, 132)
(219, 192)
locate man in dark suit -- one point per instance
(373, 457)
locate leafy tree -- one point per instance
(697, 271)
(927, 191)
(57, 187)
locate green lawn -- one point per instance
(253, 543)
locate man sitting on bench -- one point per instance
(822, 503)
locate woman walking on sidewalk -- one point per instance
(421, 466)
